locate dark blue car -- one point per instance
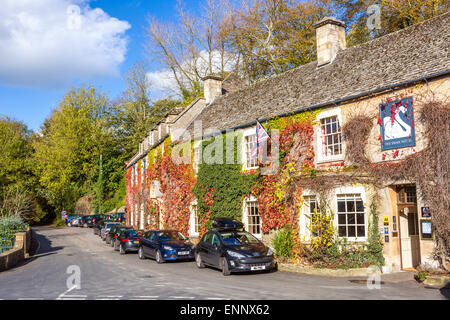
(165, 245)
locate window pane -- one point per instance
(350, 219)
(351, 231)
(341, 218)
(341, 206)
(350, 206)
(361, 231)
(359, 206)
(360, 218)
(342, 232)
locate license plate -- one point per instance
(258, 268)
(183, 253)
(136, 242)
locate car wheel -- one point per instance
(199, 261)
(122, 250)
(141, 253)
(225, 267)
(159, 258)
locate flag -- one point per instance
(261, 138)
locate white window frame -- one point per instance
(152, 138)
(306, 217)
(159, 132)
(361, 191)
(321, 157)
(196, 160)
(245, 216)
(194, 225)
(247, 133)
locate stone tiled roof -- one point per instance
(415, 52)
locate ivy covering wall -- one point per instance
(221, 188)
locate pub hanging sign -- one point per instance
(397, 124)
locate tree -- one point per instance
(15, 154)
(192, 47)
(272, 36)
(395, 15)
(69, 146)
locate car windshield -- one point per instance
(170, 235)
(131, 233)
(109, 225)
(236, 238)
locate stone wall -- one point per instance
(20, 251)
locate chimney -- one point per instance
(330, 38)
(212, 88)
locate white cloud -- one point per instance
(46, 43)
(163, 82)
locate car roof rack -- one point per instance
(224, 224)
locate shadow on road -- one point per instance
(445, 291)
(41, 246)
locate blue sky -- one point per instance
(42, 60)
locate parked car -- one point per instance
(70, 218)
(165, 245)
(98, 225)
(127, 240)
(114, 232)
(230, 248)
(75, 222)
(105, 229)
(84, 221)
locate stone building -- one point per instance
(384, 79)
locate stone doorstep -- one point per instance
(394, 277)
(437, 282)
(356, 272)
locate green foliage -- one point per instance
(283, 243)
(228, 184)
(9, 226)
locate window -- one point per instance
(195, 221)
(196, 159)
(152, 138)
(331, 137)
(249, 142)
(311, 210)
(253, 217)
(351, 216)
(407, 195)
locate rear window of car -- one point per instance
(131, 233)
(109, 225)
(170, 235)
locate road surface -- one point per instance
(107, 275)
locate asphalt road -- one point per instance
(106, 275)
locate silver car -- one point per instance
(106, 228)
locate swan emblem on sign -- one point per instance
(395, 127)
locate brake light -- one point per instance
(115, 236)
(125, 240)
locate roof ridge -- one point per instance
(391, 34)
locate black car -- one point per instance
(127, 240)
(114, 233)
(230, 248)
(98, 225)
(88, 221)
(165, 245)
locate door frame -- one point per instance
(401, 207)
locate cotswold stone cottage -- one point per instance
(371, 96)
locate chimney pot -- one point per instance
(330, 38)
